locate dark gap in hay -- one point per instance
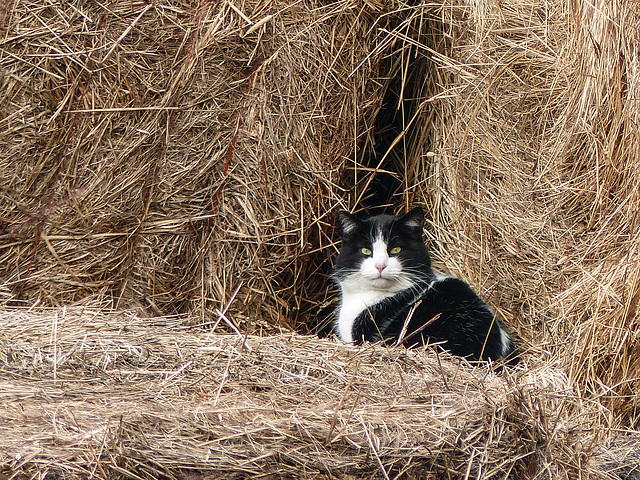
(396, 140)
(399, 138)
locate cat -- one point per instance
(390, 292)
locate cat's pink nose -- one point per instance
(381, 266)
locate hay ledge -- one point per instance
(91, 394)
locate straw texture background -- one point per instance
(162, 153)
(186, 159)
(536, 193)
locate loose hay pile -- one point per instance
(110, 395)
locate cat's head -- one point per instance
(382, 252)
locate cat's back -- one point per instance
(454, 313)
(452, 294)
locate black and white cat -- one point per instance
(390, 292)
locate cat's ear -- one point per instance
(347, 224)
(414, 220)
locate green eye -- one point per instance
(395, 250)
(365, 251)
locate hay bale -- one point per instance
(528, 156)
(187, 159)
(111, 395)
(161, 155)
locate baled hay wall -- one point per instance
(110, 395)
(133, 186)
(165, 153)
(533, 178)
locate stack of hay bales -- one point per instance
(188, 158)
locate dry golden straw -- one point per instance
(185, 160)
(111, 395)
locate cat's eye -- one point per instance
(365, 251)
(395, 250)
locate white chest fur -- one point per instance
(358, 294)
(353, 305)
(380, 276)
